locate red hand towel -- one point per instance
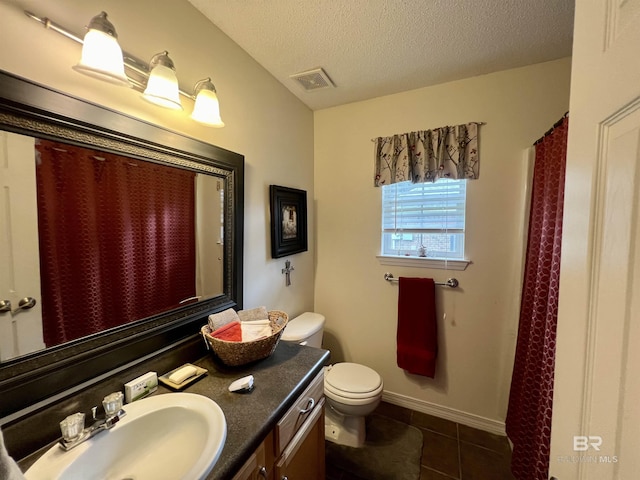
(231, 332)
(417, 338)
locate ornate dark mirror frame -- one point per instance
(32, 109)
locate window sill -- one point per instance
(423, 262)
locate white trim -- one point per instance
(423, 262)
(458, 416)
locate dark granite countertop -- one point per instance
(279, 380)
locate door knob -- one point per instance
(5, 306)
(25, 304)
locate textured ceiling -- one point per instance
(371, 48)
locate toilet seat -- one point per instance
(350, 400)
(351, 381)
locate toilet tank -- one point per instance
(305, 329)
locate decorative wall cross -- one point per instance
(288, 268)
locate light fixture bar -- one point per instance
(136, 65)
(54, 26)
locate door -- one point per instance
(20, 330)
(209, 229)
(596, 413)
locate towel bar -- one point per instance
(452, 282)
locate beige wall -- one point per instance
(478, 336)
(264, 121)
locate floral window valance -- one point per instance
(427, 155)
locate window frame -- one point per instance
(423, 227)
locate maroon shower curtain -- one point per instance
(117, 239)
(528, 422)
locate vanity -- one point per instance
(275, 431)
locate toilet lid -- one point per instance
(352, 378)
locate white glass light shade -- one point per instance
(207, 109)
(162, 88)
(102, 58)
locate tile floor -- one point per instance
(450, 450)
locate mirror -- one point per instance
(118, 240)
(140, 315)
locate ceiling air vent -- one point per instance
(315, 79)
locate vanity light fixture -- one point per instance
(103, 58)
(162, 84)
(101, 54)
(207, 107)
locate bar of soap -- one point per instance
(181, 375)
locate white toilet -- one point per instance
(352, 390)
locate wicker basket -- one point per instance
(241, 353)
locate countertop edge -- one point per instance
(233, 466)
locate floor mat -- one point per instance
(392, 451)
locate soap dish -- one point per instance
(200, 372)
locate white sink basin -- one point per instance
(170, 436)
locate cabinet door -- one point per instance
(255, 468)
(303, 459)
(299, 413)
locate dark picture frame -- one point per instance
(288, 221)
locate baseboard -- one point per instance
(458, 416)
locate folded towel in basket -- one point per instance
(256, 329)
(259, 313)
(231, 332)
(218, 320)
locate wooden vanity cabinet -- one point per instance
(260, 463)
(303, 459)
(294, 449)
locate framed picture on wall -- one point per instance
(288, 221)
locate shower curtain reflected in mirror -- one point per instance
(100, 215)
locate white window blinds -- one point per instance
(424, 219)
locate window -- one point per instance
(424, 219)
